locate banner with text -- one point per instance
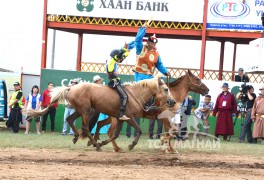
(159, 10)
(235, 15)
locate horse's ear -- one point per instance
(161, 82)
(189, 72)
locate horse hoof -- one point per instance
(89, 143)
(98, 148)
(173, 151)
(120, 150)
(74, 140)
(130, 147)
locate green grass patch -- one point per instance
(58, 141)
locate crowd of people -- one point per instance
(149, 59)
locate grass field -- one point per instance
(53, 156)
(58, 141)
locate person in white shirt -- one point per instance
(69, 110)
(33, 101)
(202, 113)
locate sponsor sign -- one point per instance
(235, 15)
(159, 10)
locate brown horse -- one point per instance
(179, 90)
(85, 96)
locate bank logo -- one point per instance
(85, 5)
(229, 9)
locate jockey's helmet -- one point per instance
(115, 52)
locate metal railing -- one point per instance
(123, 22)
(175, 72)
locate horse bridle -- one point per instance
(137, 99)
(192, 83)
(164, 104)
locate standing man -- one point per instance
(148, 58)
(52, 110)
(185, 112)
(241, 77)
(257, 116)
(226, 107)
(94, 115)
(69, 110)
(15, 103)
(246, 129)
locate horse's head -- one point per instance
(196, 84)
(190, 83)
(157, 88)
(163, 94)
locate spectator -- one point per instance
(241, 77)
(15, 103)
(94, 115)
(69, 110)
(202, 113)
(246, 129)
(185, 112)
(151, 128)
(257, 116)
(225, 106)
(52, 110)
(97, 79)
(33, 101)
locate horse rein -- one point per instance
(193, 84)
(164, 104)
(136, 98)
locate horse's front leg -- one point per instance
(170, 133)
(100, 124)
(86, 132)
(70, 121)
(137, 127)
(117, 126)
(111, 132)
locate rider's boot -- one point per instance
(150, 105)
(124, 118)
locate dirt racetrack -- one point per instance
(22, 163)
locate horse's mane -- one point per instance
(128, 83)
(152, 83)
(177, 81)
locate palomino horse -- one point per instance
(179, 90)
(85, 96)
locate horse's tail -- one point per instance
(58, 94)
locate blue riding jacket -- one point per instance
(138, 43)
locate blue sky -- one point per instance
(21, 34)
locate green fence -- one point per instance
(62, 77)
